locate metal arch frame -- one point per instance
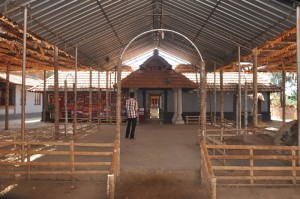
(118, 110)
(161, 29)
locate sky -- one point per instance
(171, 59)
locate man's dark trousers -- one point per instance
(131, 122)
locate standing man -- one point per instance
(131, 109)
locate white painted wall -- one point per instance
(30, 106)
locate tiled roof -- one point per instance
(156, 72)
(83, 81)
(157, 79)
(230, 81)
(16, 79)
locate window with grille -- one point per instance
(37, 98)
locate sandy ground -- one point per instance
(161, 163)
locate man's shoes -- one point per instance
(126, 137)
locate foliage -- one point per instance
(290, 86)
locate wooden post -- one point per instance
(283, 103)
(66, 107)
(118, 113)
(106, 97)
(239, 90)
(222, 97)
(28, 161)
(294, 165)
(251, 166)
(246, 105)
(90, 96)
(111, 186)
(56, 96)
(72, 160)
(110, 111)
(215, 96)
(75, 98)
(23, 94)
(202, 98)
(254, 115)
(210, 108)
(7, 97)
(237, 108)
(99, 100)
(45, 96)
(298, 75)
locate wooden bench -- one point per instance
(192, 119)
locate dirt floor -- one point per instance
(161, 163)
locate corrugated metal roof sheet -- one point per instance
(102, 28)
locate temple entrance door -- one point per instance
(154, 106)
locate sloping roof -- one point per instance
(230, 81)
(157, 79)
(156, 72)
(102, 28)
(83, 81)
(16, 79)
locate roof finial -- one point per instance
(155, 52)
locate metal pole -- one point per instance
(99, 101)
(118, 111)
(45, 96)
(75, 97)
(246, 104)
(110, 112)
(298, 75)
(66, 108)
(7, 97)
(255, 88)
(56, 95)
(222, 97)
(23, 81)
(90, 96)
(215, 95)
(106, 97)
(240, 91)
(283, 94)
(202, 98)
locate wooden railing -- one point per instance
(207, 174)
(192, 119)
(225, 123)
(114, 171)
(256, 165)
(110, 119)
(246, 165)
(221, 133)
(12, 163)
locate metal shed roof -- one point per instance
(102, 28)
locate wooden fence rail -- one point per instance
(256, 165)
(192, 119)
(70, 155)
(207, 174)
(221, 133)
(114, 171)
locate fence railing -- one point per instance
(114, 171)
(221, 133)
(192, 119)
(256, 165)
(62, 158)
(207, 174)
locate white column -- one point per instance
(179, 107)
(175, 105)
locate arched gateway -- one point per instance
(159, 90)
